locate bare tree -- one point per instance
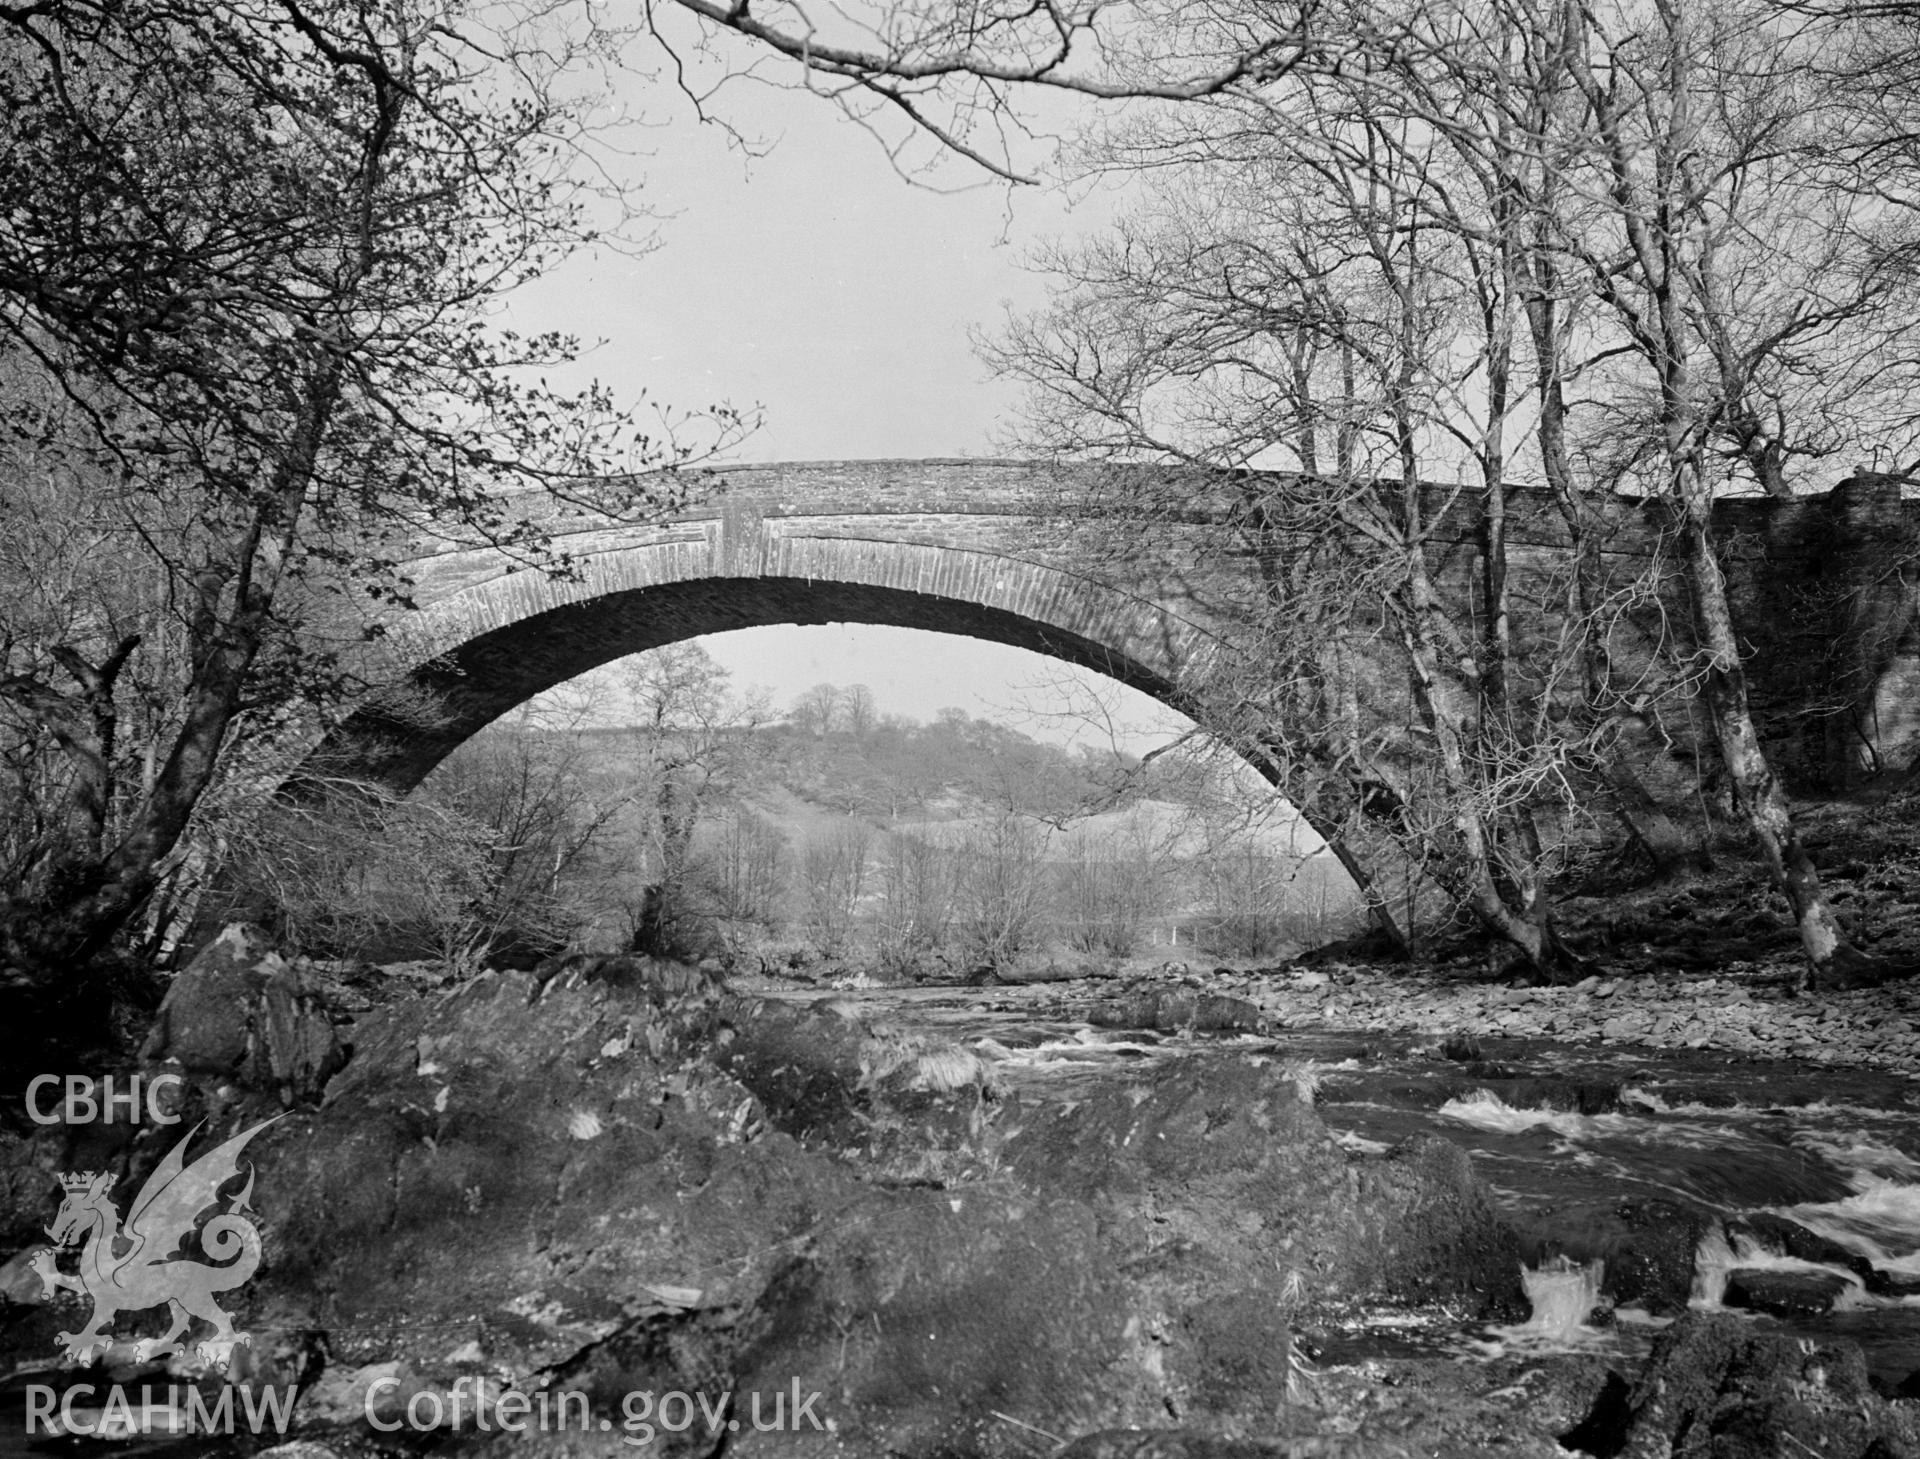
(546, 817)
(1111, 882)
(247, 272)
(1702, 183)
(1274, 309)
(859, 710)
(743, 870)
(915, 907)
(903, 778)
(922, 69)
(1001, 901)
(498, 853)
(1624, 249)
(818, 711)
(1247, 889)
(691, 738)
(833, 880)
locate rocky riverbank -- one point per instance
(617, 1180)
(621, 1177)
(1744, 1008)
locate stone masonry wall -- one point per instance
(1823, 589)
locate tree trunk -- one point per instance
(77, 915)
(1671, 848)
(80, 911)
(1379, 910)
(1756, 790)
(678, 807)
(1528, 930)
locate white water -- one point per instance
(1716, 1257)
(1642, 1095)
(1858, 1154)
(1881, 1221)
(1086, 1046)
(1840, 1157)
(1485, 1110)
(1360, 1144)
(1563, 1293)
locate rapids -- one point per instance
(1565, 1135)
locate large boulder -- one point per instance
(1646, 1243)
(1717, 1388)
(954, 1324)
(29, 1189)
(1222, 1167)
(241, 1012)
(834, 1081)
(534, 1166)
(1785, 1293)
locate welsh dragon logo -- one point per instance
(142, 1265)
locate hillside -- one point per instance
(708, 826)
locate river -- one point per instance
(1565, 1135)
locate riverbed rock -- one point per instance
(347, 1395)
(1531, 1091)
(529, 1167)
(1184, 1444)
(204, 1022)
(1462, 1048)
(802, 1065)
(1716, 1387)
(29, 1187)
(1784, 1293)
(1387, 1408)
(1789, 1238)
(1647, 1245)
(1899, 1285)
(830, 1079)
(561, 1180)
(20, 1281)
(661, 980)
(240, 1011)
(1173, 1010)
(1224, 1169)
(942, 1323)
(1650, 1254)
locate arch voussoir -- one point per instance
(490, 645)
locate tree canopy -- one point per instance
(249, 258)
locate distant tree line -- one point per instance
(652, 808)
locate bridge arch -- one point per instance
(474, 655)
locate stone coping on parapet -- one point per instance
(883, 489)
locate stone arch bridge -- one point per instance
(1821, 587)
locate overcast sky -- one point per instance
(818, 285)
